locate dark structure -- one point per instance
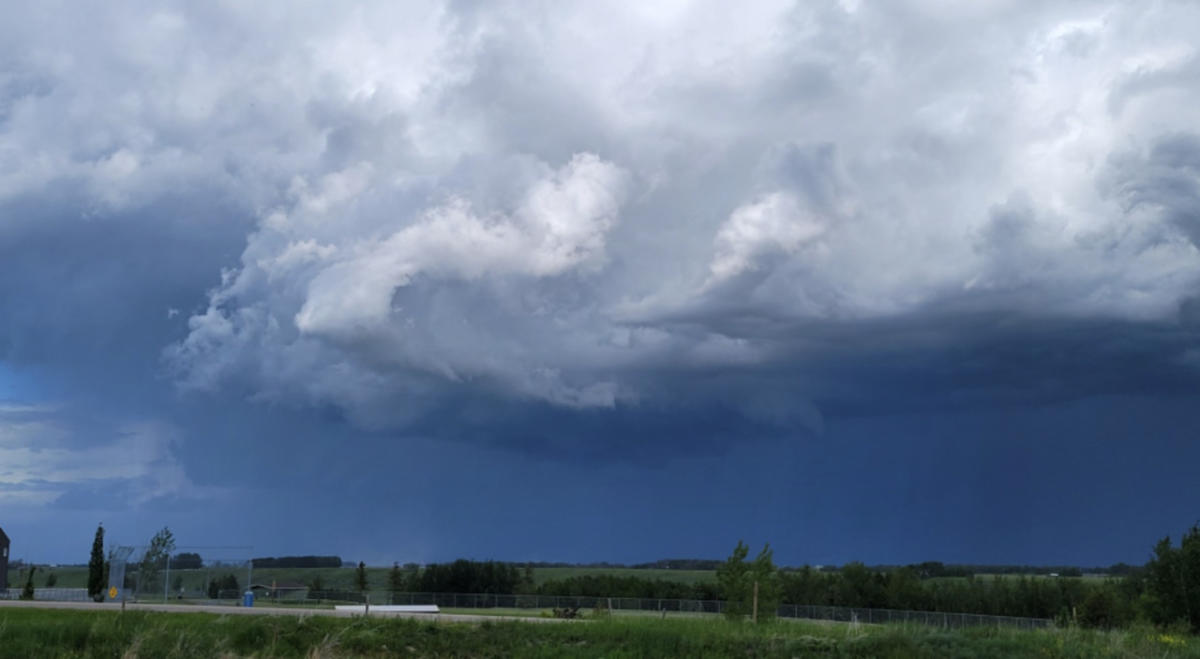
(3, 561)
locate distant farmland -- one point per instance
(342, 578)
(544, 574)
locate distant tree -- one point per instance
(360, 577)
(186, 561)
(765, 576)
(96, 566)
(903, 589)
(860, 586)
(317, 584)
(1104, 608)
(734, 581)
(527, 581)
(297, 561)
(412, 577)
(738, 579)
(396, 578)
(464, 576)
(226, 586)
(1121, 569)
(51, 580)
(155, 558)
(27, 591)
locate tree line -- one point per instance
(1164, 591)
(297, 561)
(461, 576)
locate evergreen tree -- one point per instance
(360, 577)
(27, 591)
(95, 582)
(396, 579)
(528, 584)
(765, 576)
(733, 579)
(226, 586)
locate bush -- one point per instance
(1102, 610)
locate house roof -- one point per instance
(282, 585)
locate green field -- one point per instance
(68, 633)
(544, 574)
(342, 578)
(1086, 576)
(68, 577)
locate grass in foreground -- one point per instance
(62, 633)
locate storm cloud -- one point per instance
(622, 212)
(591, 234)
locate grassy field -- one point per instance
(195, 580)
(61, 633)
(544, 574)
(1085, 576)
(342, 578)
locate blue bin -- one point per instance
(248, 598)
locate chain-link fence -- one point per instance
(204, 585)
(188, 573)
(307, 597)
(51, 594)
(811, 612)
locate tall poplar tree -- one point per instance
(360, 577)
(95, 582)
(738, 581)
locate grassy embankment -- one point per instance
(59, 633)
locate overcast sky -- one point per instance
(890, 281)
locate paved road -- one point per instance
(260, 611)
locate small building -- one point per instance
(280, 590)
(3, 561)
